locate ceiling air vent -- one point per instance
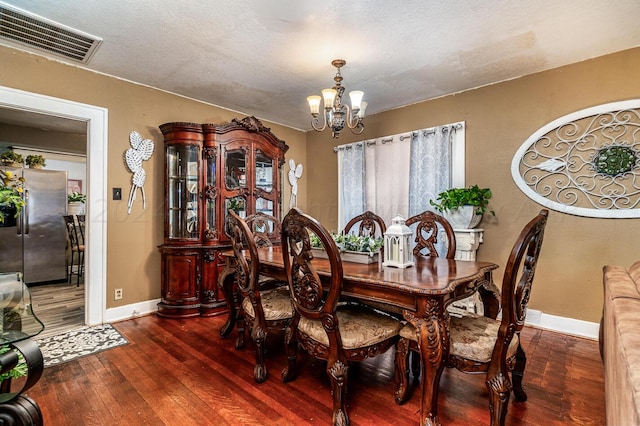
(43, 35)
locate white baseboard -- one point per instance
(564, 325)
(133, 310)
(535, 318)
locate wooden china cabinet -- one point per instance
(210, 168)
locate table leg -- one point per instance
(225, 283)
(431, 321)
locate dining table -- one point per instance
(421, 292)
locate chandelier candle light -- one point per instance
(337, 114)
(397, 240)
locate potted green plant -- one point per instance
(463, 207)
(35, 161)
(11, 158)
(75, 203)
(11, 199)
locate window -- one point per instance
(399, 174)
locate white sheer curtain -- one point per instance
(431, 171)
(351, 182)
(399, 174)
(387, 182)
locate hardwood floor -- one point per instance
(180, 372)
(59, 306)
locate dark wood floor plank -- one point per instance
(180, 372)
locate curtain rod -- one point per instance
(388, 139)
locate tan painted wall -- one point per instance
(499, 118)
(133, 260)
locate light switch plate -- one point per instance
(117, 193)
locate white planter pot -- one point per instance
(463, 217)
(75, 208)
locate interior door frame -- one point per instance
(96, 119)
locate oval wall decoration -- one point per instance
(586, 163)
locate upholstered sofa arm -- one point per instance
(620, 343)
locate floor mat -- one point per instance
(77, 343)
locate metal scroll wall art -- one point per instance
(586, 163)
(140, 151)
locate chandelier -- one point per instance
(336, 114)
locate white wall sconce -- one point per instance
(397, 240)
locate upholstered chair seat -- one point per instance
(276, 304)
(473, 337)
(358, 326)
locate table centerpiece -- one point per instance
(353, 248)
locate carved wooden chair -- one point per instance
(370, 223)
(76, 245)
(323, 327)
(266, 232)
(480, 344)
(429, 225)
(266, 307)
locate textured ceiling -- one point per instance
(264, 57)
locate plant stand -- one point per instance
(467, 243)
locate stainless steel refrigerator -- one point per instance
(36, 246)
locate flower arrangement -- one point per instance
(352, 242)
(11, 189)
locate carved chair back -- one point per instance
(370, 224)
(309, 298)
(247, 267)
(427, 231)
(265, 229)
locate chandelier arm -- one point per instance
(316, 123)
(353, 121)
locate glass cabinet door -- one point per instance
(264, 172)
(183, 166)
(264, 183)
(235, 172)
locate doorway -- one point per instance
(96, 120)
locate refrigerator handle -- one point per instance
(26, 211)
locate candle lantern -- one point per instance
(397, 240)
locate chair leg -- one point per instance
(499, 387)
(80, 267)
(517, 375)
(402, 370)
(415, 363)
(70, 268)
(240, 321)
(338, 377)
(259, 337)
(291, 343)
